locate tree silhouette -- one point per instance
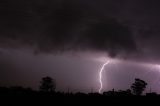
(138, 86)
(47, 84)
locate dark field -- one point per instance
(29, 97)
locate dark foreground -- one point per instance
(18, 96)
(55, 99)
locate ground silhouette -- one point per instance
(26, 96)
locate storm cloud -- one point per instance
(72, 39)
(63, 25)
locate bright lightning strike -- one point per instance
(151, 67)
(100, 75)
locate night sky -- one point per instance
(70, 41)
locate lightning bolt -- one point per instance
(100, 75)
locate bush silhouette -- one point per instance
(47, 84)
(138, 86)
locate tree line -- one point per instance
(48, 86)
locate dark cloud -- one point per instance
(125, 28)
(60, 25)
(121, 27)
